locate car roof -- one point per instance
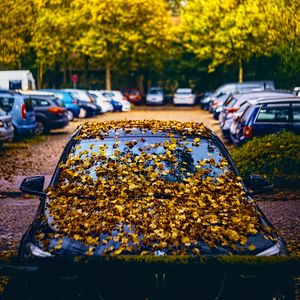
(75, 91)
(36, 93)
(260, 94)
(291, 99)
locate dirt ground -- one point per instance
(39, 156)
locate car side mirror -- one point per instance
(258, 185)
(33, 185)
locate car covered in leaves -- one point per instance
(147, 187)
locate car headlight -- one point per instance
(33, 250)
(277, 249)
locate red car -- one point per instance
(133, 95)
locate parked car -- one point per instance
(6, 127)
(155, 96)
(233, 103)
(184, 96)
(217, 104)
(87, 107)
(50, 112)
(71, 104)
(118, 96)
(102, 101)
(188, 193)
(133, 95)
(266, 116)
(20, 108)
(235, 88)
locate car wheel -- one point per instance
(40, 128)
(70, 115)
(83, 113)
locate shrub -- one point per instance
(275, 156)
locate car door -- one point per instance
(296, 118)
(272, 118)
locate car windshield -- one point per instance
(7, 103)
(172, 160)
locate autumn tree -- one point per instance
(232, 31)
(16, 19)
(55, 32)
(130, 31)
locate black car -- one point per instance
(50, 114)
(147, 188)
(266, 116)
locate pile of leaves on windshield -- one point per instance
(147, 200)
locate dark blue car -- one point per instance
(266, 116)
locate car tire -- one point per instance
(70, 115)
(40, 128)
(83, 113)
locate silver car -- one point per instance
(6, 127)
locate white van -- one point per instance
(17, 80)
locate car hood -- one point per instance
(71, 247)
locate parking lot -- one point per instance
(39, 155)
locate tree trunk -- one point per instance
(40, 75)
(241, 71)
(86, 71)
(107, 77)
(140, 83)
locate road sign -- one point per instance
(74, 78)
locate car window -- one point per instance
(156, 92)
(273, 114)
(39, 102)
(7, 103)
(296, 114)
(189, 157)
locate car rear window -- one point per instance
(39, 102)
(273, 115)
(7, 103)
(155, 92)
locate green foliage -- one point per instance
(275, 156)
(16, 19)
(232, 31)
